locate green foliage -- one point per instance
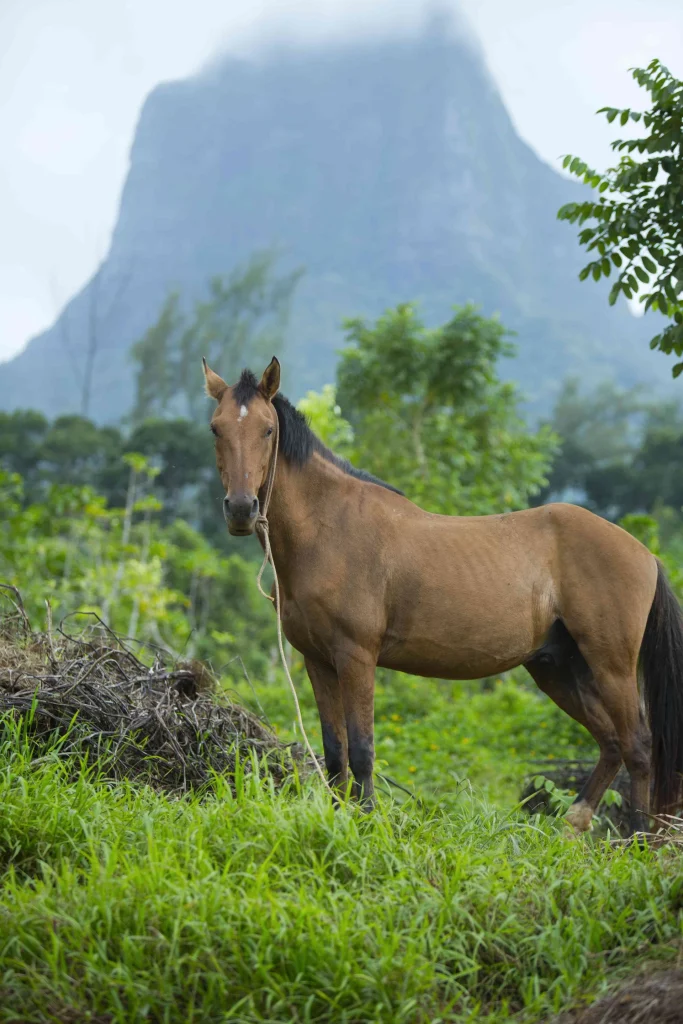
(243, 317)
(119, 904)
(437, 737)
(325, 418)
(22, 434)
(164, 584)
(636, 222)
(621, 451)
(79, 555)
(73, 450)
(429, 414)
(647, 530)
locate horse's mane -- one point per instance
(297, 441)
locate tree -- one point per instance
(637, 218)
(323, 413)
(75, 451)
(97, 319)
(243, 317)
(155, 358)
(165, 584)
(599, 434)
(657, 472)
(621, 451)
(22, 434)
(430, 415)
(187, 482)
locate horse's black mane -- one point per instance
(297, 440)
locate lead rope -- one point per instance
(262, 521)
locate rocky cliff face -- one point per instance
(390, 170)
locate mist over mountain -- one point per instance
(390, 170)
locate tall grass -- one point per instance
(121, 904)
(436, 736)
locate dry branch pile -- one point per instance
(164, 723)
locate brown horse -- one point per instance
(367, 578)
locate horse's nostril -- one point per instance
(226, 505)
(254, 507)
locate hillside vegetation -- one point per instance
(245, 896)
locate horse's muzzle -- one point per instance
(240, 513)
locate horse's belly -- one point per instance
(461, 664)
(469, 643)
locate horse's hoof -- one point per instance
(580, 816)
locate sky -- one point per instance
(74, 75)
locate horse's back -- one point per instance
(477, 594)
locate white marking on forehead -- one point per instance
(244, 412)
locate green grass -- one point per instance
(272, 907)
(436, 737)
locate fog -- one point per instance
(74, 74)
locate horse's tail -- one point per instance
(661, 662)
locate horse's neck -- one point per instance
(297, 510)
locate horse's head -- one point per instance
(244, 425)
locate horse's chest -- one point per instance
(300, 626)
(310, 624)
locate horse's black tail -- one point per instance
(661, 663)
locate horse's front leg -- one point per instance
(356, 672)
(332, 721)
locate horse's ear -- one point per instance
(214, 385)
(270, 381)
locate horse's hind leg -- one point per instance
(619, 695)
(560, 670)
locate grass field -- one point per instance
(438, 737)
(120, 904)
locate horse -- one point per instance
(367, 579)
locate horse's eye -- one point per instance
(269, 431)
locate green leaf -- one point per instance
(670, 290)
(677, 370)
(638, 225)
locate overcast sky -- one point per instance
(74, 74)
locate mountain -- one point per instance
(390, 170)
